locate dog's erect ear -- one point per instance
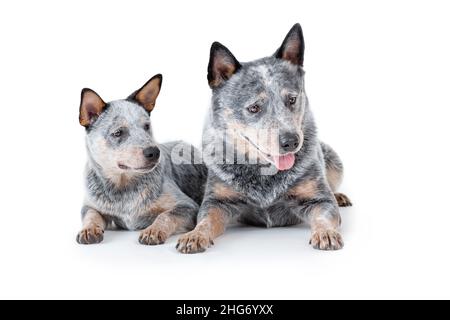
(91, 107)
(146, 96)
(293, 47)
(222, 65)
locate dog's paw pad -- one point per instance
(326, 240)
(194, 242)
(342, 200)
(91, 235)
(152, 237)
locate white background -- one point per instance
(378, 81)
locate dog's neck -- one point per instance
(119, 180)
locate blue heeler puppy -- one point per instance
(131, 181)
(287, 177)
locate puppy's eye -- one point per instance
(292, 100)
(117, 133)
(146, 127)
(254, 108)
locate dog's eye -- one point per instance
(117, 133)
(292, 100)
(146, 127)
(254, 108)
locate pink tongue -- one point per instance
(284, 162)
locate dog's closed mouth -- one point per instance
(146, 168)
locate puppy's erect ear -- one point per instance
(91, 107)
(222, 65)
(293, 47)
(146, 96)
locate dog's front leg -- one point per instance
(222, 204)
(212, 223)
(94, 225)
(324, 220)
(176, 220)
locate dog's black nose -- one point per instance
(289, 142)
(152, 153)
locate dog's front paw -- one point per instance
(90, 235)
(326, 239)
(194, 242)
(152, 236)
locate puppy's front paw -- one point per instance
(324, 239)
(152, 236)
(194, 242)
(90, 235)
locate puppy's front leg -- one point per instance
(94, 226)
(325, 220)
(179, 219)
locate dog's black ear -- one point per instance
(91, 107)
(222, 65)
(293, 47)
(146, 96)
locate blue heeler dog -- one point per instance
(288, 176)
(130, 179)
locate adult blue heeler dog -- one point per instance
(289, 177)
(130, 179)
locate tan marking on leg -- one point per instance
(211, 227)
(93, 228)
(92, 217)
(304, 190)
(214, 223)
(319, 219)
(324, 231)
(222, 191)
(164, 203)
(334, 177)
(162, 228)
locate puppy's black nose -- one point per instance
(152, 153)
(289, 142)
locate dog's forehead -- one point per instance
(126, 111)
(270, 74)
